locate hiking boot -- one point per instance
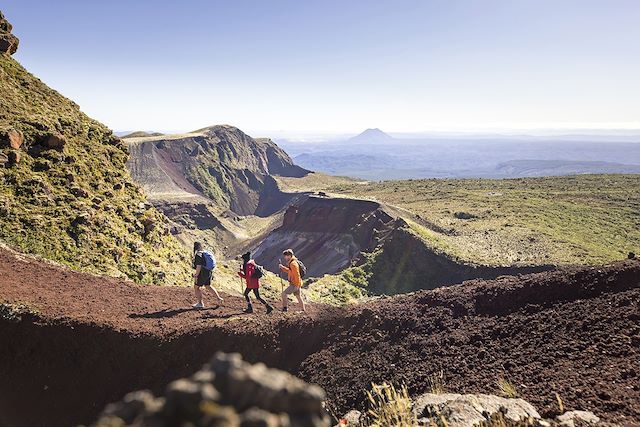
(198, 305)
(249, 309)
(269, 309)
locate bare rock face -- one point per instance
(8, 42)
(226, 392)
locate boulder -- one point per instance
(470, 409)
(8, 42)
(79, 192)
(464, 215)
(55, 141)
(12, 138)
(571, 418)
(226, 392)
(352, 418)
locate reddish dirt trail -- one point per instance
(59, 293)
(575, 332)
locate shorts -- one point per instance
(204, 278)
(292, 289)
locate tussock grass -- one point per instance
(389, 407)
(506, 388)
(560, 404)
(436, 382)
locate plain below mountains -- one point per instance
(375, 155)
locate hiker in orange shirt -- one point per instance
(292, 268)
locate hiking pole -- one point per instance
(241, 284)
(280, 276)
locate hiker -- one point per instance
(251, 273)
(292, 268)
(204, 262)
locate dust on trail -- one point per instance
(90, 340)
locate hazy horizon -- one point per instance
(294, 68)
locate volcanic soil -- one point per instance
(72, 342)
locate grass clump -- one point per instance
(389, 407)
(506, 388)
(436, 383)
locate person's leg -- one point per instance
(249, 308)
(285, 297)
(256, 292)
(215, 291)
(259, 298)
(198, 292)
(298, 295)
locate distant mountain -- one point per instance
(404, 158)
(371, 135)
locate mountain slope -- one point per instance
(65, 192)
(221, 163)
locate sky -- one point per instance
(336, 66)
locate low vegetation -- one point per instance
(584, 219)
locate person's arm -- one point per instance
(285, 269)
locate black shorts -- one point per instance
(205, 277)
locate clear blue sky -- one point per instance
(338, 66)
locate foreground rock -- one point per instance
(479, 410)
(471, 409)
(226, 392)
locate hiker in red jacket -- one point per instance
(251, 276)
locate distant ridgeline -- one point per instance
(65, 192)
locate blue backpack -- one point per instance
(209, 260)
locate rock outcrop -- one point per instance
(225, 392)
(8, 42)
(471, 409)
